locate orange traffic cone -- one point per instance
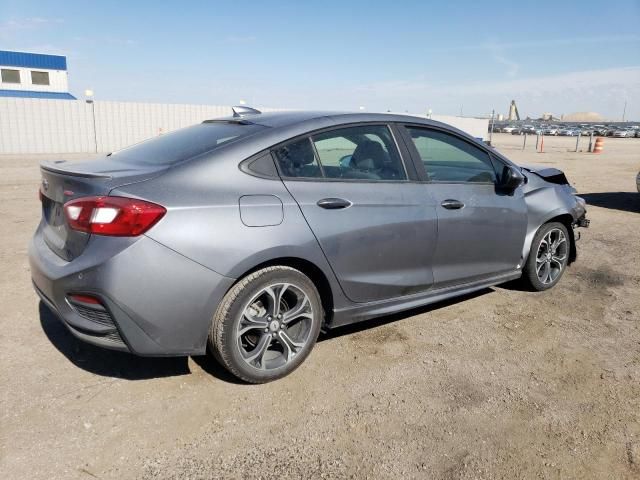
(598, 147)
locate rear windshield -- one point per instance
(185, 143)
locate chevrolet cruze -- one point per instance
(248, 235)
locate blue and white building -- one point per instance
(34, 75)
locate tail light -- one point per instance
(115, 216)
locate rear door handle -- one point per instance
(451, 204)
(334, 203)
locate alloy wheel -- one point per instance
(551, 257)
(275, 326)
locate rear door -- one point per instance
(371, 220)
(480, 230)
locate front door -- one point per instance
(372, 224)
(480, 230)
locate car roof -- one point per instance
(284, 126)
(286, 118)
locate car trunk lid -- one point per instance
(63, 181)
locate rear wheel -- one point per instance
(548, 257)
(267, 324)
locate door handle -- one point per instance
(451, 204)
(334, 203)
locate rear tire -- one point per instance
(267, 324)
(548, 257)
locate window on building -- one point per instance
(40, 78)
(10, 76)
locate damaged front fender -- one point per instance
(550, 197)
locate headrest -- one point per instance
(300, 153)
(369, 155)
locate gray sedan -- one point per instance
(248, 235)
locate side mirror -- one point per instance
(510, 179)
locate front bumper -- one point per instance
(157, 302)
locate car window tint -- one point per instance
(366, 152)
(297, 159)
(447, 158)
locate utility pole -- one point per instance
(493, 112)
(624, 110)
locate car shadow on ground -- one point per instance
(104, 362)
(380, 321)
(110, 363)
(624, 201)
(211, 366)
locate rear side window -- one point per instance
(446, 158)
(185, 143)
(366, 152)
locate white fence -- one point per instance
(68, 126)
(29, 126)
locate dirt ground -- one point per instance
(500, 384)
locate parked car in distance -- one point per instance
(246, 236)
(568, 132)
(509, 129)
(601, 130)
(622, 133)
(550, 130)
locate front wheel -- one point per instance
(548, 257)
(267, 324)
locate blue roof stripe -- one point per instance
(33, 60)
(28, 94)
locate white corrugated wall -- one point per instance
(66, 126)
(29, 125)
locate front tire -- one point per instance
(267, 324)
(548, 257)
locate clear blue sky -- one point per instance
(558, 56)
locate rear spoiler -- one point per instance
(52, 168)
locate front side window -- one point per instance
(10, 75)
(447, 158)
(40, 78)
(297, 159)
(365, 152)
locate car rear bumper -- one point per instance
(155, 301)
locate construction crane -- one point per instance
(513, 111)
